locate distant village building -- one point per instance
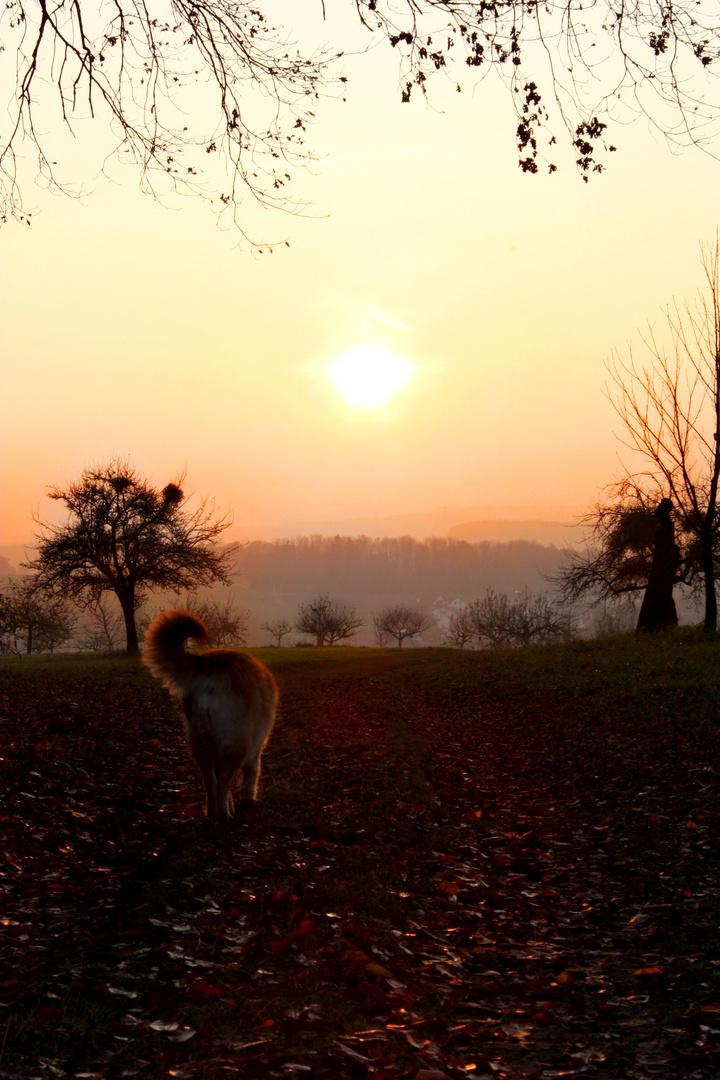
(443, 611)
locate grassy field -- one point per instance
(463, 864)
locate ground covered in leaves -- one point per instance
(486, 865)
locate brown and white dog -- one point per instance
(229, 700)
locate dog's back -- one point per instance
(229, 700)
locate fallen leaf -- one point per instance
(181, 1035)
(200, 987)
(448, 888)
(378, 969)
(355, 957)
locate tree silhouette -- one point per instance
(669, 405)
(209, 97)
(102, 627)
(226, 624)
(127, 537)
(460, 632)
(400, 622)
(277, 629)
(498, 621)
(33, 617)
(618, 561)
(658, 611)
(327, 621)
(397, 567)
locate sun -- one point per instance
(369, 376)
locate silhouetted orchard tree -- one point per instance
(226, 624)
(126, 537)
(327, 621)
(400, 622)
(669, 405)
(6, 644)
(618, 560)
(616, 615)
(277, 629)
(34, 619)
(461, 631)
(102, 627)
(210, 97)
(496, 621)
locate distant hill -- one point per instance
(524, 522)
(556, 533)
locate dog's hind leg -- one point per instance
(250, 774)
(211, 785)
(226, 770)
(248, 786)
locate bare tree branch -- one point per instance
(209, 97)
(669, 408)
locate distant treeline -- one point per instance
(353, 567)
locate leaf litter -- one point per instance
(440, 883)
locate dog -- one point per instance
(229, 700)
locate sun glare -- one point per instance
(369, 376)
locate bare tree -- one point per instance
(207, 96)
(226, 624)
(617, 615)
(618, 558)
(499, 622)
(126, 537)
(34, 619)
(277, 629)
(669, 406)
(102, 629)
(493, 620)
(7, 644)
(327, 621)
(461, 631)
(204, 96)
(401, 622)
(539, 619)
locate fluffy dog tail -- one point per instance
(164, 653)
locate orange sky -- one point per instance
(136, 330)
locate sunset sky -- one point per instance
(136, 330)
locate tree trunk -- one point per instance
(127, 603)
(658, 611)
(28, 643)
(710, 624)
